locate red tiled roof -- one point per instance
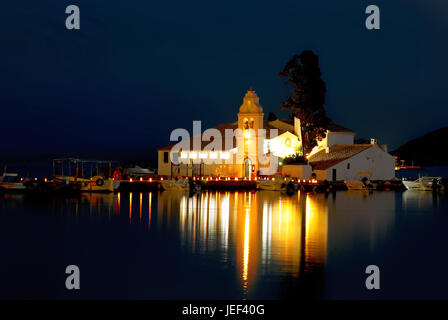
(338, 153)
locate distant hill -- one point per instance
(427, 150)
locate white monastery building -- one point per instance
(251, 151)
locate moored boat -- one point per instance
(424, 184)
(277, 184)
(102, 181)
(363, 184)
(11, 182)
(94, 184)
(175, 185)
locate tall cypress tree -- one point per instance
(307, 99)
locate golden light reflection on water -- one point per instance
(316, 232)
(130, 207)
(259, 232)
(246, 249)
(149, 209)
(254, 235)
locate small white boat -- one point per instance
(11, 182)
(277, 184)
(423, 184)
(175, 185)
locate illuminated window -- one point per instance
(251, 122)
(288, 142)
(246, 123)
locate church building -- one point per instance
(252, 146)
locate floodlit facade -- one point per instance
(246, 148)
(252, 146)
(350, 162)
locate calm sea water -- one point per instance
(225, 245)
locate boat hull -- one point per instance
(359, 185)
(95, 184)
(421, 184)
(169, 185)
(12, 186)
(276, 185)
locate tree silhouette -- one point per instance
(272, 116)
(307, 99)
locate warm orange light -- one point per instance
(150, 179)
(141, 179)
(45, 180)
(314, 151)
(161, 179)
(236, 178)
(130, 179)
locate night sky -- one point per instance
(138, 69)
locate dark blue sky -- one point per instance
(138, 69)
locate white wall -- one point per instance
(333, 138)
(297, 170)
(372, 163)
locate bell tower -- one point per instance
(251, 113)
(250, 120)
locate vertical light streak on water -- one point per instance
(246, 251)
(140, 207)
(183, 220)
(130, 207)
(264, 234)
(224, 221)
(119, 202)
(149, 209)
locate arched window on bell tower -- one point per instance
(246, 123)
